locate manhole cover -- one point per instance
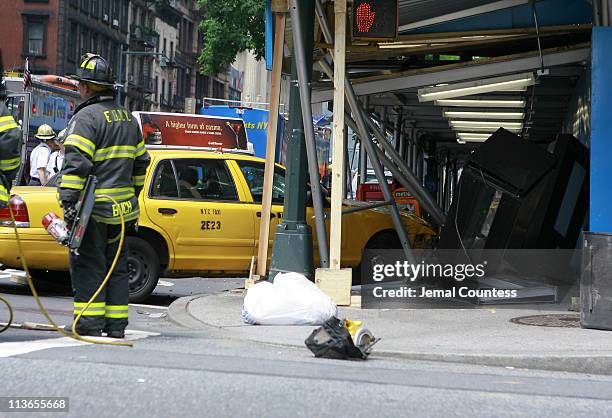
(555, 320)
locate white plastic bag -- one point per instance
(291, 300)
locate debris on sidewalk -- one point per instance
(341, 339)
(291, 300)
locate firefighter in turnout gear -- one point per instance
(102, 139)
(10, 140)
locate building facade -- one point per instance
(53, 34)
(152, 46)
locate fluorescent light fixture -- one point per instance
(472, 136)
(490, 130)
(465, 141)
(464, 137)
(487, 85)
(485, 124)
(513, 102)
(484, 115)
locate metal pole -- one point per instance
(363, 163)
(596, 16)
(398, 134)
(311, 149)
(348, 189)
(402, 143)
(293, 250)
(424, 197)
(370, 147)
(121, 78)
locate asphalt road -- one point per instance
(176, 372)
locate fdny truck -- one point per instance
(51, 99)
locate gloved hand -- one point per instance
(137, 191)
(70, 212)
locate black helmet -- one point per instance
(95, 70)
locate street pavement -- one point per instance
(484, 335)
(177, 370)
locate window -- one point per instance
(95, 9)
(35, 29)
(218, 89)
(193, 179)
(254, 175)
(162, 97)
(105, 11)
(234, 94)
(83, 42)
(94, 43)
(124, 16)
(72, 42)
(164, 182)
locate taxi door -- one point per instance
(252, 175)
(197, 202)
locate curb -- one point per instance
(178, 312)
(601, 365)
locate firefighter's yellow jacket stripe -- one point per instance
(81, 143)
(138, 180)
(140, 149)
(73, 182)
(118, 151)
(3, 194)
(9, 164)
(6, 123)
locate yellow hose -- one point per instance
(10, 320)
(74, 334)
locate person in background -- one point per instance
(10, 140)
(56, 160)
(39, 158)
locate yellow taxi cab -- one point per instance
(200, 216)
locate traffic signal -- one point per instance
(375, 19)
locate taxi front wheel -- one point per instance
(143, 267)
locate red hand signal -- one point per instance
(365, 17)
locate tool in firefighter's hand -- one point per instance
(73, 236)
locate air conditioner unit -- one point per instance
(105, 17)
(116, 23)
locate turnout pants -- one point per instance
(109, 311)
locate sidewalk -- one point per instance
(478, 336)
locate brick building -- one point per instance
(53, 34)
(152, 46)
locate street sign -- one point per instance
(375, 20)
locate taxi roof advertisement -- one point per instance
(179, 129)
